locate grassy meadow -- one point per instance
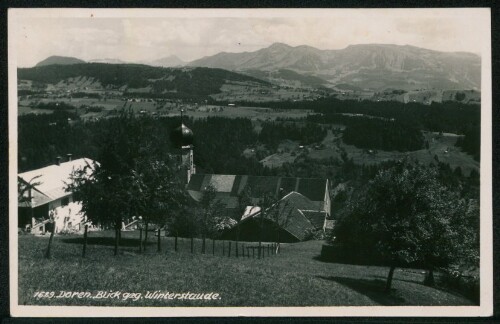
(295, 277)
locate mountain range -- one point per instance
(372, 67)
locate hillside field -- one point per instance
(292, 278)
(164, 109)
(441, 146)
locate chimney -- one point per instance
(69, 155)
(58, 160)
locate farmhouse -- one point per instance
(304, 207)
(301, 205)
(44, 196)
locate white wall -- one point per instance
(67, 218)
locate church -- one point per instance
(302, 206)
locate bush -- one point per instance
(314, 234)
(467, 285)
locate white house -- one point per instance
(50, 199)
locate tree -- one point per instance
(25, 194)
(104, 197)
(183, 223)
(25, 189)
(244, 200)
(134, 175)
(405, 216)
(158, 192)
(266, 200)
(210, 208)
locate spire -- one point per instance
(182, 135)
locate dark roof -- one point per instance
(317, 218)
(290, 217)
(312, 188)
(182, 136)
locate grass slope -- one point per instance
(292, 278)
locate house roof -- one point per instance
(290, 216)
(233, 185)
(317, 218)
(53, 181)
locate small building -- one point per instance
(293, 218)
(49, 198)
(307, 202)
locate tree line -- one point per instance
(274, 133)
(382, 135)
(452, 117)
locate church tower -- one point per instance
(182, 138)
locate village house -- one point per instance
(304, 202)
(49, 198)
(303, 205)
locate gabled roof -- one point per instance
(53, 180)
(233, 185)
(317, 218)
(290, 216)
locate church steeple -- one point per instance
(182, 138)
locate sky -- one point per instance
(143, 35)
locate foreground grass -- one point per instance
(292, 278)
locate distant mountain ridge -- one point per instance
(108, 61)
(59, 60)
(371, 66)
(168, 61)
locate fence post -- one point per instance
(213, 246)
(236, 246)
(253, 251)
(175, 244)
(243, 248)
(229, 250)
(140, 240)
(223, 248)
(85, 241)
(159, 240)
(268, 247)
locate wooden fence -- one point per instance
(235, 249)
(227, 248)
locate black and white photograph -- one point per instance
(250, 162)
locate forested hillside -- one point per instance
(183, 82)
(383, 135)
(447, 117)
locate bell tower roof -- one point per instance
(182, 135)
